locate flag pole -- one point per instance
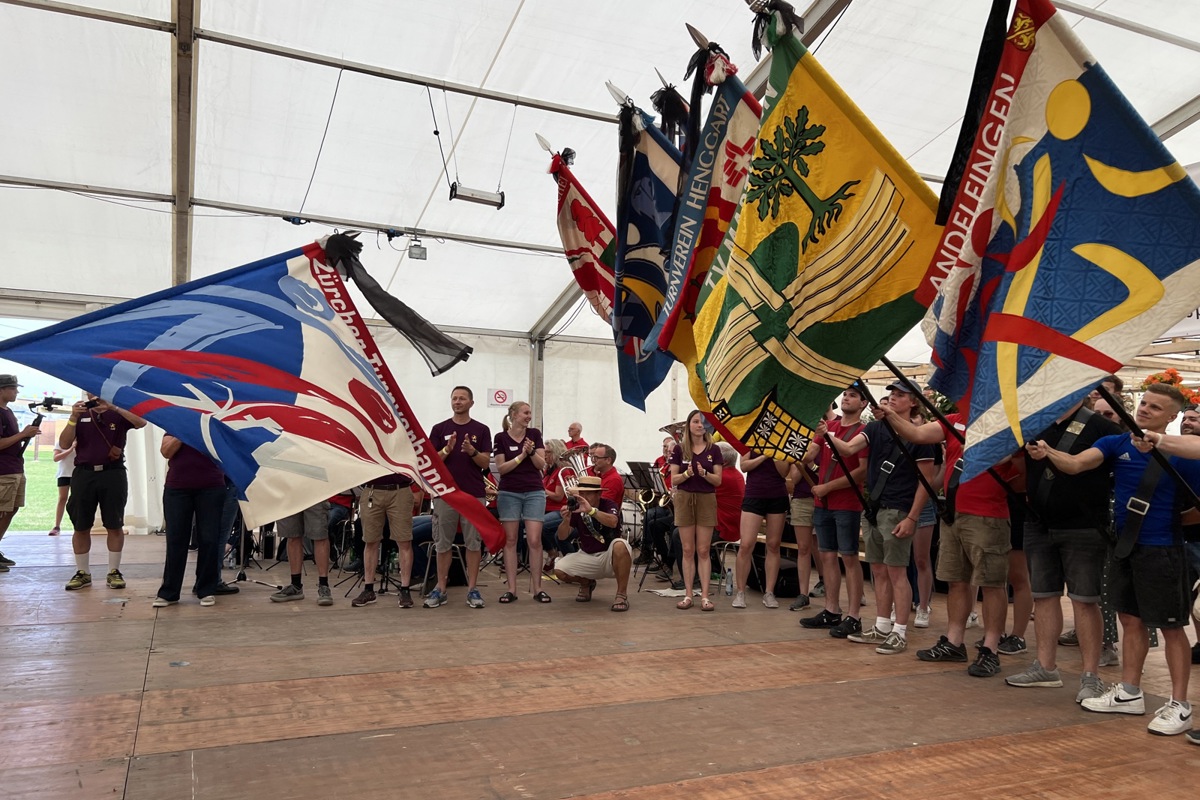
(937, 413)
(1162, 460)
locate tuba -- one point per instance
(577, 467)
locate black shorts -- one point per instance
(762, 506)
(107, 490)
(1071, 557)
(65, 480)
(1151, 583)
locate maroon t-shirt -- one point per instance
(593, 538)
(525, 477)
(802, 490)
(191, 469)
(466, 474)
(95, 433)
(709, 458)
(12, 462)
(765, 482)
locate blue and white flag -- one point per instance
(647, 189)
(268, 369)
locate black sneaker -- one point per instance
(406, 600)
(825, 619)
(986, 664)
(1011, 645)
(944, 651)
(225, 588)
(847, 627)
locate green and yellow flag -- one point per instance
(816, 278)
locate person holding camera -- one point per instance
(98, 430)
(12, 459)
(602, 552)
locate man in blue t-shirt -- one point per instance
(1149, 585)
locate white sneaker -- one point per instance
(1171, 719)
(160, 602)
(208, 601)
(1116, 701)
(973, 620)
(922, 620)
(769, 600)
(739, 600)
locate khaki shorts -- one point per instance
(591, 566)
(975, 550)
(695, 508)
(12, 492)
(393, 504)
(802, 512)
(881, 546)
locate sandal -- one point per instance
(585, 592)
(542, 597)
(684, 604)
(508, 597)
(621, 603)
(706, 604)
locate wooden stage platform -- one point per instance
(106, 697)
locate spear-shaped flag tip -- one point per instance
(621, 97)
(545, 145)
(699, 38)
(662, 79)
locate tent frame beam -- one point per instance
(403, 77)
(183, 138)
(98, 14)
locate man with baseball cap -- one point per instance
(12, 460)
(602, 552)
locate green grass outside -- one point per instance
(41, 492)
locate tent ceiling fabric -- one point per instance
(96, 108)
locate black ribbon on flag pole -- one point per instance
(441, 352)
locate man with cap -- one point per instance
(602, 552)
(98, 429)
(895, 497)
(974, 545)
(12, 460)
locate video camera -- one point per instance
(572, 502)
(39, 411)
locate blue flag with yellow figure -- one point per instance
(823, 268)
(1074, 242)
(648, 185)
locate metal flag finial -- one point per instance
(699, 38)
(621, 97)
(545, 145)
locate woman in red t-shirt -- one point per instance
(696, 466)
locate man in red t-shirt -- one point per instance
(973, 549)
(575, 436)
(836, 518)
(603, 465)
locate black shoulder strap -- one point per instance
(886, 468)
(1137, 508)
(1065, 443)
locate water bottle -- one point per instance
(729, 581)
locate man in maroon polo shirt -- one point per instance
(98, 430)
(12, 460)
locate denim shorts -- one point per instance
(837, 531)
(928, 515)
(516, 506)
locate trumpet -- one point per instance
(489, 488)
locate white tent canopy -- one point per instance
(150, 142)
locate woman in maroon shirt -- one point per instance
(766, 498)
(520, 459)
(194, 493)
(696, 465)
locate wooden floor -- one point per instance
(106, 697)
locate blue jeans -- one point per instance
(836, 530)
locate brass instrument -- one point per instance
(489, 488)
(577, 460)
(675, 429)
